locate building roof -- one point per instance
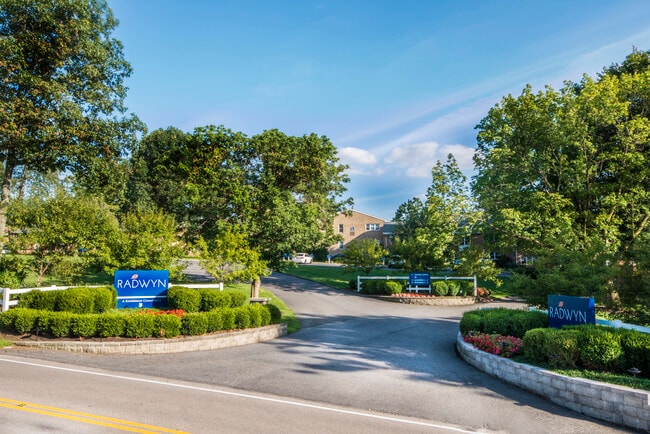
(359, 212)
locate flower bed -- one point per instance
(505, 346)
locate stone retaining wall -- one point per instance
(616, 404)
(174, 345)
(431, 301)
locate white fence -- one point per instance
(360, 278)
(7, 302)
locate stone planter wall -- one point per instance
(616, 404)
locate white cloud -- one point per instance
(356, 156)
(463, 155)
(416, 159)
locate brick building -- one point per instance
(352, 225)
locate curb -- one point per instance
(616, 404)
(162, 346)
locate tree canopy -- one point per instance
(568, 170)
(61, 92)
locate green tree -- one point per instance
(66, 233)
(146, 241)
(61, 92)
(568, 170)
(364, 254)
(231, 258)
(432, 233)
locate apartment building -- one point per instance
(352, 225)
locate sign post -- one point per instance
(141, 288)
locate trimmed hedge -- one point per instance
(74, 300)
(591, 347)
(187, 299)
(138, 324)
(203, 300)
(381, 287)
(502, 321)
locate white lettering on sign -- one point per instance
(567, 314)
(149, 283)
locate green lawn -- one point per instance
(337, 277)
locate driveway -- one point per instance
(360, 353)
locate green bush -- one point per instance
(84, 325)
(76, 300)
(556, 347)
(503, 321)
(636, 351)
(25, 320)
(105, 298)
(215, 320)
(276, 314)
(265, 314)
(242, 317)
(40, 300)
(139, 325)
(59, 323)
(381, 287)
(254, 312)
(213, 298)
(454, 288)
(439, 287)
(600, 347)
(167, 326)
(195, 324)
(8, 318)
(228, 319)
(187, 299)
(238, 298)
(111, 324)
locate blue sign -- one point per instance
(141, 288)
(419, 279)
(564, 310)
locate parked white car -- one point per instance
(302, 258)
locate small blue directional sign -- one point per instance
(141, 288)
(419, 279)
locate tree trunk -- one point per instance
(255, 287)
(4, 196)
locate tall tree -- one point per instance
(432, 232)
(566, 174)
(61, 91)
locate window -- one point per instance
(372, 226)
(341, 228)
(340, 244)
(351, 229)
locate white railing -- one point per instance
(360, 278)
(7, 302)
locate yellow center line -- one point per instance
(89, 418)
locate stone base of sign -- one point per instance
(616, 404)
(159, 346)
(429, 300)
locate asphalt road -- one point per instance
(357, 365)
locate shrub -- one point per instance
(195, 324)
(215, 320)
(352, 284)
(368, 286)
(600, 347)
(535, 345)
(228, 319)
(105, 298)
(139, 325)
(265, 314)
(439, 287)
(76, 300)
(242, 317)
(40, 300)
(276, 314)
(502, 321)
(167, 325)
(25, 320)
(59, 324)
(238, 298)
(454, 288)
(186, 299)
(84, 325)
(111, 324)
(381, 287)
(636, 351)
(393, 287)
(213, 298)
(254, 315)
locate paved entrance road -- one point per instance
(359, 353)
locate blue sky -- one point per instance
(396, 85)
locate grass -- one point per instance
(336, 277)
(5, 343)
